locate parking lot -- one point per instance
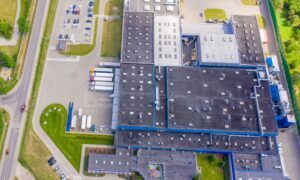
(75, 21)
(66, 82)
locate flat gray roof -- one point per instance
(175, 164)
(248, 38)
(257, 166)
(138, 40)
(218, 99)
(195, 142)
(136, 95)
(120, 163)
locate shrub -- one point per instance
(6, 60)
(5, 30)
(211, 158)
(24, 26)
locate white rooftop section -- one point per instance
(193, 29)
(167, 41)
(218, 48)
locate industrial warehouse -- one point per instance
(185, 89)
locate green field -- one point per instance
(8, 11)
(111, 39)
(210, 170)
(114, 7)
(219, 14)
(53, 121)
(4, 121)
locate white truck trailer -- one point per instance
(83, 122)
(107, 79)
(89, 122)
(105, 70)
(73, 122)
(102, 88)
(109, 64)
(102, 83)
(98, 74)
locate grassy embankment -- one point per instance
(4, 121)
(112, 30)
(53, 121)
(18, 51)
(85, 49)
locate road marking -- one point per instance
(76, 59)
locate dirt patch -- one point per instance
(22, 173)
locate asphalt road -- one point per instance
(21, 94)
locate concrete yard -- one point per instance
(69, 81)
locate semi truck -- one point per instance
(98, 74)
(102, 83)
(101, 88)
(105, 70)
(109, 64)
(107, 79)
(83, 122)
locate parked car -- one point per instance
(88, 28)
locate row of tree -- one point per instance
(290, 12)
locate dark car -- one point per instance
(23, 108)
(88, 21)
(51, 159)
(52, 162)
(87, 28)
(90, 15)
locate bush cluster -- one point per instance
(5, 29)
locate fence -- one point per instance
(284, 61)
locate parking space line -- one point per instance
(76, 59)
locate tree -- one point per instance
(6, 60)
(197, 177)
(24, 26)
(221, 164)
(211, 158)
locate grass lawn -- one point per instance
(111, 39)
(261, 21)
(53, 121)
(249, 2)
(33, 153)
(4, 121)
(84, 49)
(8, 11)
(114, 7)
(219, 14)
(210, 170)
